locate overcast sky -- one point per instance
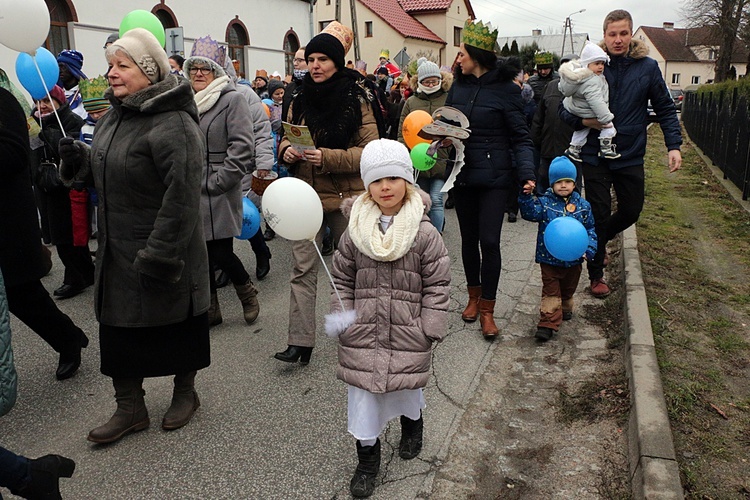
(519, 18)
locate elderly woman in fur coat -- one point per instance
(152, 294)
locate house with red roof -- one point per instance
(687, 56)
(430, 28)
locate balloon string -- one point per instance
(416, 175)
(341, 302)
(44, 84)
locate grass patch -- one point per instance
(694, 243)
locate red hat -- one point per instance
(58, 94)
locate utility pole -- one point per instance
(568, 28)
(353, 6)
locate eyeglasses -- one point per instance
(203, 71)
(430, 82)
(297, 60)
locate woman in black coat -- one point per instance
(485, 92)
(54, 202)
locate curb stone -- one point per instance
(653, 466)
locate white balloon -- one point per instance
(24, 24)
(293, 209)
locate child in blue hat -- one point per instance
(559, 278)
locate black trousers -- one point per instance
(31, 303)
(258, 244)
(480, 219)
(629, 188)
(79, 268)
(221, 255)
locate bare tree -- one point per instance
(724, 18)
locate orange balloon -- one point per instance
(413, 123)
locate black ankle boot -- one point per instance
(411, 437)
(45, 474)
(263, 266)
(70, 360)
(363, 482)
(294, 353)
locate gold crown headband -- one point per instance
(479, 35)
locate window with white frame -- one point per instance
(695, 80)
(712, 54)
(675, 78)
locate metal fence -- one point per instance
(718, 123)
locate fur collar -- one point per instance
(446, 85)
(171, 94)
(638, 49)
(573, 72)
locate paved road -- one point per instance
(265, 429)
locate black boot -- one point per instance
(363, 481)
(71, 359)
(294, 353)
(263, 264)
(328, 246)
(45, 474)
(411, 437)
(269, 234)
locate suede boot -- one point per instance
(248, 295)
(363, 481)
(411, 437)
(471, 313)
(44, 476)
(214, 311)
(131, 414)
(487, 319)
(184, 402)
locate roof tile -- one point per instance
(392, 13)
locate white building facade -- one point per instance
(261, 34)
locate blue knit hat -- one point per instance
(561, 169)
(74, 61)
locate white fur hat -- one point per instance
(591, 53)
(385, 158)
(146, 51)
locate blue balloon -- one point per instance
(29, 77)
(566, 239)
(250, 220)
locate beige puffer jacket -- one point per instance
(402, 308)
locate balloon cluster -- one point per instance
(413, 124)
(24, 26)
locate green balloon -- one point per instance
(146, 20)
(420, 159)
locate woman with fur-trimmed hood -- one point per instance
(432, 87)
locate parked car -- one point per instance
(677, 96)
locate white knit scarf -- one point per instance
(364, 228)
(206, 98)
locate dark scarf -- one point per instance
(332, 109)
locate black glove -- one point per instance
(69, 151)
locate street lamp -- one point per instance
(569, 26)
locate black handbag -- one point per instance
(48, 176)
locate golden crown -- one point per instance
(94, 88)
(479, 35)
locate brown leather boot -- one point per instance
(214, 311)
(248, 295)
(184, 402)
(471, 313)
(487, 319)
(131, 414)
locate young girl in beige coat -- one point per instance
(392, 274)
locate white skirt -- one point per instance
(369, 413)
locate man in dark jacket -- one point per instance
(550, 134)
(633, 79)
(21, 260)
(545, 73)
